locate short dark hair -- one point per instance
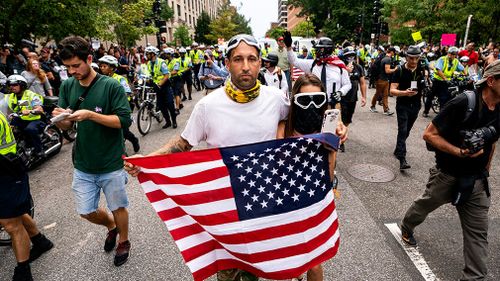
(74, 46)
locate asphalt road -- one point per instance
(368, 251)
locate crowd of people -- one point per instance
(93, 87)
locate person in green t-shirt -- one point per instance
(99, 144)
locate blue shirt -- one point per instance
(440, 64)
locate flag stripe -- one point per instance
(180, 189)
(275, 220)
(211, 208)
(179, 222)
(176, 159)
(204, 197)
(196, 178)
(267, 251)
(272, 269)
(184, 170)
(213, 219)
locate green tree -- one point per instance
(303, 29)
(228, 23)
(275, 32)
(202, 28)
(181, 35)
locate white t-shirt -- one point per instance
(221, 122)
(274, 81)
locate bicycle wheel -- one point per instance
(435, 105)
(144, 119)
(158, 116)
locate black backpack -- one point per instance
(376, 65)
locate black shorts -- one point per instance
(187, 77)
(347, 110)
(14, 196)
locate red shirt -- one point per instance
(473, 56)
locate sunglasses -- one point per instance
(235, 41)
(305, 100)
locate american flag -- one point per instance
(296, 73)
(266, 208)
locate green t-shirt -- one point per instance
(98, 148)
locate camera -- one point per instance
(206, 57)
(475, 139)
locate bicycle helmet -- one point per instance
(453, 50)
(464, 59)
(194, 44)
(110, 60)
(17, 79)
(349, 51)
(182, 50)
(169, 51)
(431, 56)
(272, 58)
(151, 49)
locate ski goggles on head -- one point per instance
(235, 41)
(304, 100)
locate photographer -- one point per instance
(464, 142)
(407, 84)
(210, 75)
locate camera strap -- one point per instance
(85, 93)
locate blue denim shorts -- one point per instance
(87, 190)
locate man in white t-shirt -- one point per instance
(243, 111)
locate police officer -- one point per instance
(408, 81)
(174, 67)
(15, 204)
(329, 68)
(461, 174)
(158, 69)
(357, 77)
(108, 65)
(186, 67)
(443, 72)
(29, 119)
(196, 56)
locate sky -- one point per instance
(260, 12)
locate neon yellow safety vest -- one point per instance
(156, 70)
(215, 54)
(119, 78)
(171, 65)
(28, 95)
(448, 72)
(265, 51)
(196, 56)
(184, 64)
(7, 140)
(144, 69)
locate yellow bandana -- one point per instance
(242, 96)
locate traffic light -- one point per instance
(384, 28)
(156, 7)
(360, 20)
(147, 22)
(162, 26)
(376, 11)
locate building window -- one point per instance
(178, 10)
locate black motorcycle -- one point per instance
(51, 136)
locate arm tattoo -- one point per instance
(177, 144)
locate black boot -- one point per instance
(135, 144)
(403, 165)
(40, 245)
(22, 273)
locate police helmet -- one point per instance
(152, 49)
(17, 79)
(324, 42)
(194, 44)
(110, 60)
(168, 51)
(349, 51)
(464, 59)
(182, 50)
(413, 51)
(453, 50)
(272, 58)
(431, 56)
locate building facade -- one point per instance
(187, 12)
(292, 17)
(283, 13)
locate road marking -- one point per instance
(413, 253)
(49, 226)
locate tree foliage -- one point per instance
(202, 29)
(114, 20)
(228, 23)
(275, 32)
(304, 29)
(181, 35)
(336, 18)
(435, 17)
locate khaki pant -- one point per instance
(235, 275)
(473, 217)
(381, 90)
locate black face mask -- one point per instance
(307, 121)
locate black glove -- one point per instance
(287, 38)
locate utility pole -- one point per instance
(467, 30)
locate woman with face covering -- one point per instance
(37, 78)
(308, 105)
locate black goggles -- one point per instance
(235, 41)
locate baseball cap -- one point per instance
(281, 38)
(492, 69)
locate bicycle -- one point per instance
(147, 110)
(5, 239)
